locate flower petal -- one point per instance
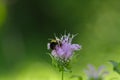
(48, 46)
(64, 49)
(54, 53)
(75, 46)
(92, 70)
(60, 52)
(100, 69)
(68, 54)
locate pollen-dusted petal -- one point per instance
(75, 46)
(48, 46)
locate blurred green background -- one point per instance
(26, 25)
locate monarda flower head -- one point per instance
(63, 49)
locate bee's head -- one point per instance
(53, 44)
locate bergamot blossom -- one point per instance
(94, 74)
(65, 49)
(62, 51)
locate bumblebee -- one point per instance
(53, 43)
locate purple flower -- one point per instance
(64, 49)
(94, 74)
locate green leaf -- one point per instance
(116, 66)
(54, 62)
(77, 76)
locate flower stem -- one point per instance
(62, 74)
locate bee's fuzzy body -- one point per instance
(53, 44)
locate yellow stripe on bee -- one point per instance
(53, 40)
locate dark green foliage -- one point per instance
(96, 79)
(116, 66)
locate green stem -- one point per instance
(62, 74)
